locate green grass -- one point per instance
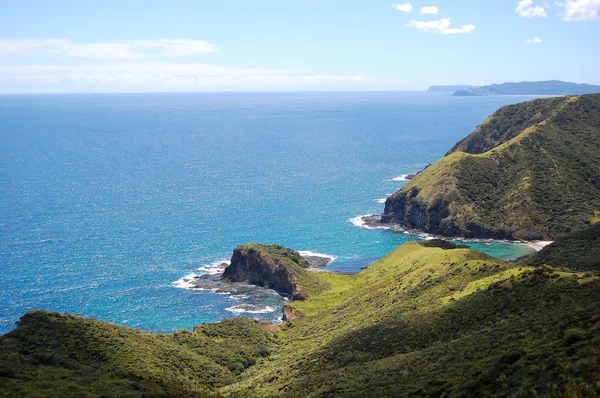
(578, 251)
(426, 321)
(52, 352)
(422, 321)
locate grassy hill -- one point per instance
(427, 322)
(530, 171)
(423, 321)
(61, 355)
(579, 251)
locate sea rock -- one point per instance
(317, 261)
(272, 266)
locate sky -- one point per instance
(64, 46)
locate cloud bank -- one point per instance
(144, 77)
(124, 50)
(580, 10)
(526, 9)
(404, 7)
(441, 26)
(429, 10)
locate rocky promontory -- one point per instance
(272, 266)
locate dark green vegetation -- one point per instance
(423, 321)
(275, 267)
(550, 87)
(530, 171)
(579, 251)
(433, 322)
(60, 355)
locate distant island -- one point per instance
(448, 89)
(550, 87)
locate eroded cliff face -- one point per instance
(407, 210)
(271, 266)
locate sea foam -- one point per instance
(403, 177)
(330, 257)
(239, 309)
(359, 221)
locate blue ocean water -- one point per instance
(106, 200)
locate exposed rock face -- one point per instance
(530, 171)
(271, 266)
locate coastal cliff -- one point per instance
(530, 171)
(272, 266)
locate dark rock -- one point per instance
(317, 261)
(271, 266)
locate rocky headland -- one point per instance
(269, 266)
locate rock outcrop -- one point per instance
(272, 266)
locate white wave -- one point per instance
(242, 310)
(237, 297)
(382, 200)
(185, 282)
(358, 221)
(330, 257)
(403, 177)
(216, 267)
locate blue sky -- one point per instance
(227, 45)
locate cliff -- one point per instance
(530, 171)
(272, 266)
(549, 87)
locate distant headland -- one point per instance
(549, 87)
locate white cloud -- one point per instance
(125, 49)
(580, 10)
(441, 26)
(140, 77)
(534, 40)
(429, 10)
(526, 9)
(404, 7)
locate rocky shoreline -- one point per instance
(375, 221)
(221, 281)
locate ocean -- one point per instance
(108, 200)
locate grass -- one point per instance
(393, 330)
(422, 321)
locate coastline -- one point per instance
(372, 221)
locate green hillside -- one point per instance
(579, 251)
(61, 355)
(422, 321)
(530, 171)
(433, 322)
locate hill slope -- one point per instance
(66, 355)
(579, 251)
(433, 322)
(530, 171)
(423, 321)
(549, 87)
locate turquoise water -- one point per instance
(107, 200)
